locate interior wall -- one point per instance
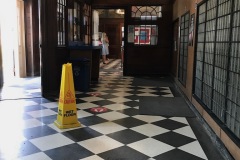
(179, 8)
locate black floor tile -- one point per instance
(48, 119)
(68, 152)
(107, 96)
(129, 111)
(103, 102)
(132, 97)
(131, 103)
(129, 122)
(127, 136)
(36, 132)
(174, 139)
(81, 134)
(177, 154)
(33, 108)
(123, 153)
(26, 148)
(169, 124)
(92, 120)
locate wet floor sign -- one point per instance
(67, 109)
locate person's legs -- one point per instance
(107, 53)
(104, 59)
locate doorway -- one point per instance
(13, 62)
(12, 40)
(111, 21)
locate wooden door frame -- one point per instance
(21, 39)
(175, 53)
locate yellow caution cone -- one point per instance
(67, 109)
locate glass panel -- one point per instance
(147, 12)
(183, 56)
(143, 34)
(61, 5)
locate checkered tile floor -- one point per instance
(120, 133)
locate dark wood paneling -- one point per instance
(151, 59)
(52, 57)
(112, 26)
(32, 37)
(147, 60)
(104, 3)
(174, 56)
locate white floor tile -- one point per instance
(86, 105)
(147, 94)
(41, 113)
(107, 127)
(111, 116)
(151, 147)
(95, 157)
(50, 105)
(180, 119)
(51, 141)
(36, 156)
(34, 90)
(116, 107)
(91, 99)
(82, 114)
(148, 90)
(100, 144)
(195, 149)
(168, 95)
(123, 89)
(119, 99)
(149, 119)
(186, 131)
(30, 123)
(149, 130)
(122, 94)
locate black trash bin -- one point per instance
(81, 73)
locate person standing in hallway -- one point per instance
(105, 50)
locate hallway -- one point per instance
(120, 133)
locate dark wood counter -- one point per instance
(90, 52)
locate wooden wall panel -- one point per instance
(174, 56)
(106, 3)
(151, 59)
(32, 37)
(51, 58)
(112, 26)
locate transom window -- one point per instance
(147, 12)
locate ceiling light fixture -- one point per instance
(120, 11)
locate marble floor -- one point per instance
(118, 133)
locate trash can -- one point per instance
(81, 73)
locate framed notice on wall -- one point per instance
(191, 30)
(142, 35)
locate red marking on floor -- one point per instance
(95, 94)
(98, 109)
